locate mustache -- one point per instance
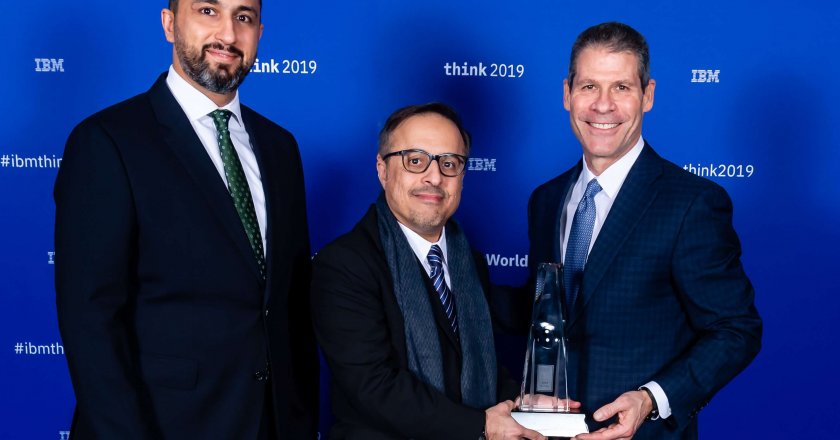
(429, 190)
(219, 46)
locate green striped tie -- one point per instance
(238, 186)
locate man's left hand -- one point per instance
(631, 407)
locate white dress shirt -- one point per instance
(610, 181)
(197, 107)
(421, 248)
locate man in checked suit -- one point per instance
(400, 303)
(661, 313)
(181, 224)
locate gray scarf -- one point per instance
(478, 371)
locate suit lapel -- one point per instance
(559, 202)
(547, 230)
(634, 198)
(275, 199)
(180, 136)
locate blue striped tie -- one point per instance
(435, 258)
(577, 248)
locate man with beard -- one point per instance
(400, 303)
(183, 285)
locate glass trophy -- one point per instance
(544, 397)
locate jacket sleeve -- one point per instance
(719, 301)
(95, 243)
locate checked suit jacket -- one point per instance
(664, 296)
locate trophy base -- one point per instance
(552, 424)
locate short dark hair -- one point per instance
(173, 5)
(615, 37)
(399, 116)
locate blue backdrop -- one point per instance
(746, 94)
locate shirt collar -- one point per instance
(613, 177)
(194, 103)
(420, 245)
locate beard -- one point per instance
(426, 220)
(217, 80)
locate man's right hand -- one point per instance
(499, 425)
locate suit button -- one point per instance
(260, 375)
(266, 312)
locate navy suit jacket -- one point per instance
(169, 331)
(664, 296)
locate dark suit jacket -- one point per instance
(359, 325)
(664, 296)
(167, 326)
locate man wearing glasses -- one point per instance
(400, 302)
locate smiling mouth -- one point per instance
(223, 55)
(220, 51)
(429, 195)
(603, 126)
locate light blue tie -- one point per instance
(577, 249)
(435, 258)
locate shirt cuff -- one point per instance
(661, 399)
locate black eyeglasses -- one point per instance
(418, 161)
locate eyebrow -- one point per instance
(239, 8)
(248, 9)
(595, 81)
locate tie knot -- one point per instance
(221, 118)
(435, 256)
(592, 188)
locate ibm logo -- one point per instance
(51, 257)
(49, 65)
(63, 435)
(705, 76)
(481, 164)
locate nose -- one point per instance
(604, 102)
(226, 33)
(433, 176)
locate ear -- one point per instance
(167, 20)
(566, 95)
(647, 100)
(381, 170)
(262, 26)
